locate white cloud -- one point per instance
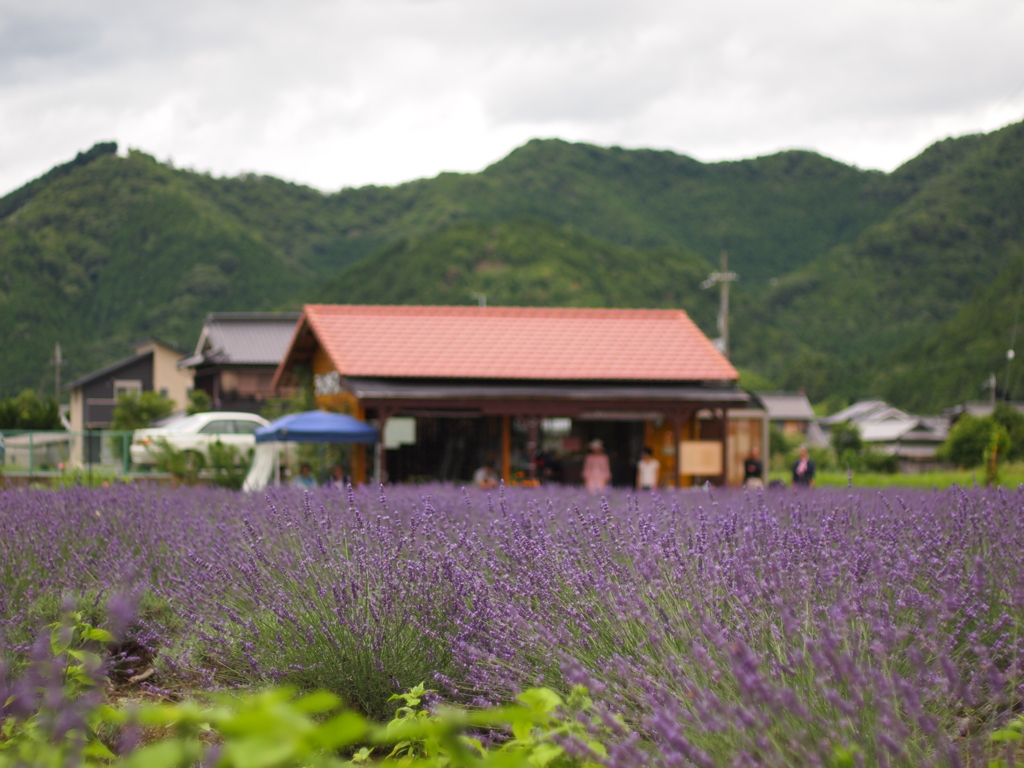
(380, 91)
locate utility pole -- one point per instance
(57, 362)
(723, 278)
(991, 384)
(481, 298)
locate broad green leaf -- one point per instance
(260, 753)
(60, 639)
(317, 703)
(521, 729)
(96, 748)
(362, 755)
(99, 635)
(540, 700)
(346, 728)
(172, 753)
(544, 754)
(1006, 735)
(476, 744)
(277, 720)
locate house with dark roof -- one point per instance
(791, 412)
(237, 355)
(889, 430)
(524, 390)
(153, 368)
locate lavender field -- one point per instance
(822, 628)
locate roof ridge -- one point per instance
(440, 309)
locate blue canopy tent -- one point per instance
(308, 427)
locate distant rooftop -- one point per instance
(981, 408)
(243, 338)
(106, 370)
(786, 406)
(865, 410)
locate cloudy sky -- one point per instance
(350, 92)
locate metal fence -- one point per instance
(25, 452)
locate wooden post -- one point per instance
(725, 446)
(677, 418)
(358, 464)
(506, 449)
(765, 448)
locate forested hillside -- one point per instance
(919, 307)
(852, 282)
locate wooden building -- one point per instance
(153, 368)
(237, 355)
(521, 389)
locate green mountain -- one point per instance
(852, 282)
(113, 250)
(525, 262)
(880, 314)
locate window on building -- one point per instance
(127, 387)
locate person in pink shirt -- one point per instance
(597, 472)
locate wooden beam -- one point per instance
(506, 449)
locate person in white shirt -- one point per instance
(647, 470)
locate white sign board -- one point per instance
(399, 431)
(700, 457)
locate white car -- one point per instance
(196, 433)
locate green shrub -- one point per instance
(1013, 421)
(68, 725)
(846, 440)
(183, 466)
(873, 461)
(139, 411)
(229, 467)
(970, 439)
(29, 411)
(198, 402)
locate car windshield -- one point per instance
(184, 425)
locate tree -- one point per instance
(198, 402)
(846, 439)
(1013, 421)
(139, 411)
(29, 411)
(971, 437)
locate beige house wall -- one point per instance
(167, 375)
(748, 428)
(77, 418)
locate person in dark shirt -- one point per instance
(753, 470)
(803, 469)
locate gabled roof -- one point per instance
(911, 428)
(243, 338)
(106, 371)
(875, 410)
(509, 343)
(786, 406)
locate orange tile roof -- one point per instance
(515, 343)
